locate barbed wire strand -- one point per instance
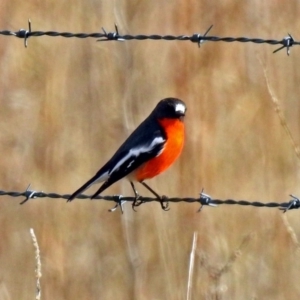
(287, 42)
(203, 200)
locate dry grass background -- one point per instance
(67, 104)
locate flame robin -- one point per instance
(151, 148)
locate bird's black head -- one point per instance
(170, 108)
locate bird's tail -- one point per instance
(84, 187)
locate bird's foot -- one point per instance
(137, 202)
(164, 206)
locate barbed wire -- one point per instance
(287, 42)
(203, 200)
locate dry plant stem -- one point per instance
(215, 273)
(291, 232)
(235, 255)
(191, 267)
(280, 114)
(38, 264)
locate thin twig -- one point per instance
(38, 268)
(191, 266)
(292, 233)
(234, 255)
(279, 112)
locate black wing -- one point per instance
(145, 143)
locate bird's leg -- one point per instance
(136, 201)
(161, 198)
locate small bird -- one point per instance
(151, 148)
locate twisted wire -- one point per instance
(203, 200)
(286, 42)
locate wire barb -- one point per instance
(287, 42)
(293, 204)
(24, 34)
(29, 194)
(119, 203)
(111, 36)
(205, 200)
(198, 38)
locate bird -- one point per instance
(150, 149)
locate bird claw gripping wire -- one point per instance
(137, 202)
(163, 199)
(205, 200)
(29, 194)
(293, 204)
(119, 203)
(111, 36)
(198, 38)
(287, 43)
(24, 34)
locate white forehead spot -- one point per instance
(180, 107)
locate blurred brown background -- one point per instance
(67, 104)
